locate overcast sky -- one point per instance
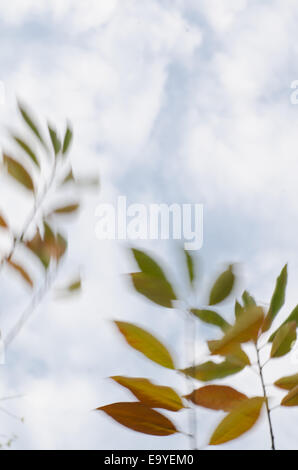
(171, 101)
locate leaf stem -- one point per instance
(37, 205)
(190, 341)
(265, 397)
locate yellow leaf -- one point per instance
(291, 399)
(246, 328)
(154, 396)
(217, 397)
(287, 383)
(240, 420)
(139, 417)
(145, 343)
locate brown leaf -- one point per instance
(18, 172)
(139, 417)
(21, 271)
(3, 223)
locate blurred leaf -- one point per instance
(292, 317)
(40, 249)
(69, 177)
(56, 144)
(3, 222)
(30, 123)
(190, 266)
(148, 265)
(209, 371)
(291, 399)
(248, 300)
(140, 418)
(155, 289)
(66, 209)
(145, 343)
(278, 298)
(154, 396)
(216, 397)
(67, 140)
(287, 383)
(21, 271)
(240, 420)
(238, 356)
(245, 329)
(222, 287)
(61, 246)
(51, 246)
(238, 309)
(211, 317)
(27, 149)
(284, 340)
(18, 172)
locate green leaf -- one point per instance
(190, 266)
(287, 383)
(238, 309)
(27, 149)
(148, 265)
(240, 420)
(248, 300)
(154, 396)
(56, 144)
(147, 344)
(245, 329)
(209, 371)
(292, 317)
(211, 317)
(139, 417)
(222, 287)
(291, 399)
(18, 172)
(284, 340)
(216, 397)
(67, 140)
(278, 298)
(155, 289)
(30, 123)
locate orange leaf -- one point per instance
(217, 397)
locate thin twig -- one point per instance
(265, 397)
